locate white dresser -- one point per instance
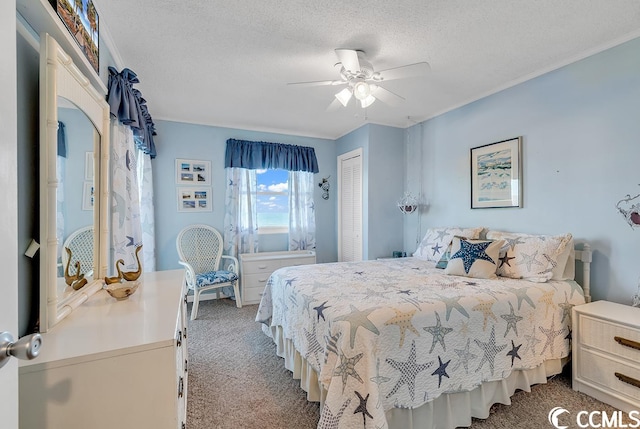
(606, 353)
(255, 269)
(113, 364)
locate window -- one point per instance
(273, 201)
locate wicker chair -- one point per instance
(80, 242)
(200, 252)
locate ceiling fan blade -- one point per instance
(316, 83)
(349, 59)
(334, 105)
(402, 72)
(386, 96)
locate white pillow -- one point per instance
(474, 258)
(536, 258)
(436, 241)
(568, 271)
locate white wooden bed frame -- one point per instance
(584, 256)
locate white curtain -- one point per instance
(302, 216)
(126, 228)
(240, 218)
(147, 213)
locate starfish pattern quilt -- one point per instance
(398, 333)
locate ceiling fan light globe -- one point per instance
(344, 96)
(368, 101)
(361, 90)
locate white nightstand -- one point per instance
(255, 269)
(606, 353)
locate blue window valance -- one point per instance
(127, 105)
(259, 155)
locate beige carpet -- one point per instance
(237, 381)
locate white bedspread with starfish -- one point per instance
(399, 332)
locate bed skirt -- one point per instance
(453, 409)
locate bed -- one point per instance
(400, 343)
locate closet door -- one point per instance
(350, 206)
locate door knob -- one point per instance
(26, 348)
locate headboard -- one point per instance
(584, 256)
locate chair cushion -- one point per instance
(215, 277)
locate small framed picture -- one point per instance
(88, 196)
(193, 172)
(88, 166)
(496, 174)
(194, 199)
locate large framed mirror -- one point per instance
(74, 162)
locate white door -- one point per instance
(9, 204)
(350, 206)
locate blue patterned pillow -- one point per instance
(215, 277)
(474, 258)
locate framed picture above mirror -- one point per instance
(82, 20)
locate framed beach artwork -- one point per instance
(82, 20)
(193, 172)
(194, 199)
(496, 174)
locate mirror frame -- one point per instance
(59, 77)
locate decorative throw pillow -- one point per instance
(568, 272)
(444, 260)
(436, 240)
(536, 258)
(474, 258)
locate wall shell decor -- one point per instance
(630, 210)
(324, 185)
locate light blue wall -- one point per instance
(382, 166)
(180, 140)
(386, 158)
(581, 145)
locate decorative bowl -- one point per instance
(122, 291)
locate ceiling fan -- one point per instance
(362, 82)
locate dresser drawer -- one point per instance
(609, 337)
(260, 266)
(252, 295)
(255, 280)
(600, 370)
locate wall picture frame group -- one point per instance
(496, 174)
(193, 172)
(88, 196)
(194, 199)
(88, 166)
(195, 195)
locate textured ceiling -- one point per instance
(227, 63)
